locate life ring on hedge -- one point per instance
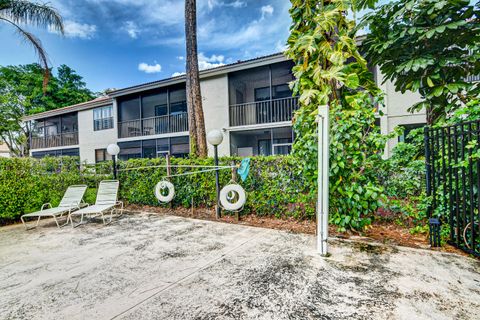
(164, 185)
(229, 193)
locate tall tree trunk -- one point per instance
(198, 140)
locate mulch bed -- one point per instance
(382, 230)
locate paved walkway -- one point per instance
(164, 267)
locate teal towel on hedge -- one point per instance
(244, 169)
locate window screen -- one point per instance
(149, 148)
(178, 101)
(154, 105)
(129, 109)
(130, 149)
(179, 146)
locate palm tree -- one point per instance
(198, 140)
(20, 12)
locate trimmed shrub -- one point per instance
(27, 183)
(273, 187)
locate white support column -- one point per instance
(322, 179)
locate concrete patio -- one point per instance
(163, 267)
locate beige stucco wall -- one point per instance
(89, 140)
(395, 111)
(215, 109)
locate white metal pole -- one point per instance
(322, 180)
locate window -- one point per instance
(130, 150)
(149, 148)
(74, 152)
(163, 147)
(153, 148)
(129, 109)
(277, 141)
(262, 94)
(178, 102)
(103, 118)
(101, 155)
(281, 91)
(407, 129)
(179, 146)
(69, 123)
(154, 105)
(52, 126)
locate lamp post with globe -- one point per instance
(215, 137)
(113, 150)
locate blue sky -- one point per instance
(118, 43)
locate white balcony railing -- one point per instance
(155, 125)
(52, 141)
(277, 110)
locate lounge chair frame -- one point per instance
(105, 203)
(65, 207)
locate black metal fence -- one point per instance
(453, 181)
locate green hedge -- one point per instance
(26, 183)
(273, 186)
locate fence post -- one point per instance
(426, 139)
(434, 228)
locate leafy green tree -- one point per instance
(429, 46)
(22, 93)
(71, 88)
(18, 13)
(330, 71)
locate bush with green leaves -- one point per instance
(427, 46)
(26, 183)
(403, 174)
(273, 188)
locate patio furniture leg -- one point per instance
(24, 223)
(56, 221)
(26, 226)
(79, 224)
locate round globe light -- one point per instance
(215, 137)
(113, 149)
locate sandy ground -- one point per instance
(150, 266)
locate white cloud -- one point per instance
(181, 58)
(235, 4)
(176, 74)
(213, 61)
(132, 29)
(266, 10)
(77, 30)
(147, 68)
(261, 35)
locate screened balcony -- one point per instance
(159, 112)
(261, 95)
(54, 132)
(277, 110)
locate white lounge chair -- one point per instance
(106, 202)
(72, 200)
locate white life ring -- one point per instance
(162, 185)
(225, 198)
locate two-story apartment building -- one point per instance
(250, 101)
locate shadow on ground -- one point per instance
(149, 266)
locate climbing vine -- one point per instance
(329, 70)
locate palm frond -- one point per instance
(37, 46)
(27, 12)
